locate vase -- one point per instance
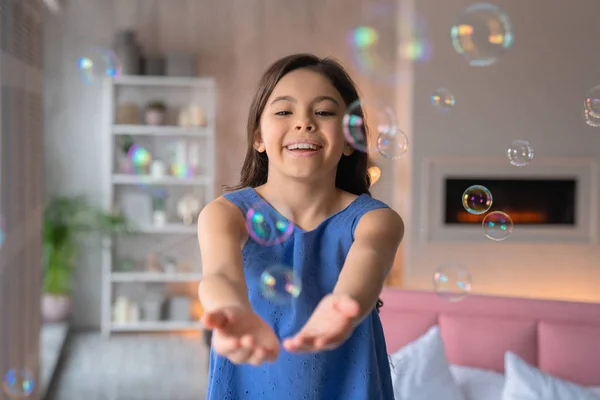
(154, 117)
(55, 307)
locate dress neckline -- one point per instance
(258, 197)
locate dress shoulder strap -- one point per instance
(362, 205)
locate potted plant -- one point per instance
(155, 113)
(123, 160)
(66, 221)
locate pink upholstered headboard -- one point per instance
(561, 338)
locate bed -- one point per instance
(479, 336)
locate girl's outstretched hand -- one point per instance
(329, 326)
(240, 335)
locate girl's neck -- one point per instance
(305, 201)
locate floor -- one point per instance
(133, 367)
(52, 339)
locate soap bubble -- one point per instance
(364, 118)
(442, 100)
(477, 199)
(481, 33)
(592, 102)
(98, 63)
(139, 158)
(497, 225)
(1, 230)
(374, 174)
(18, 383)
(279, 284)
(589, 119)
(520, 153)
(266, 225)
(452, 281)
(392, 145)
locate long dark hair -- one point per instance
(351, 175)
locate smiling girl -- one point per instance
(328, 342)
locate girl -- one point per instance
(328, 342)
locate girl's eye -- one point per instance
(325, 113)
(282, 113)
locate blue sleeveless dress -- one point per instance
(357, 370)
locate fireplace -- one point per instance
(528, 201)
(549, 200)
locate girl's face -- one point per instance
(301, 126)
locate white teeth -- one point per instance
(303, 146)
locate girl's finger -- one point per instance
(240, 356)
(258, 356)
(248, 342)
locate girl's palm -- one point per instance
(242, 336)
(329, 326)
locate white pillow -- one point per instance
(420, 370)
(525, 382)
(478, 384)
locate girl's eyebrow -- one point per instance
(317, 99)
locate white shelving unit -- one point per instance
(175, 93)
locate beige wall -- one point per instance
(21, 186)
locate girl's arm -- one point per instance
(221, 231)
(370, 259)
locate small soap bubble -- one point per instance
(477, 199)
(592, 102)
(520, 153)
(452, 281)
(182, 171)
(392, 145)
(481, 34)
(97, 64)
(1, 230)
(497, 226)
(367, 118)
(589, 119)
(279, 284)
(266, 225)
(443, 100)
(139, 158)
(18, 383)
(374, 174)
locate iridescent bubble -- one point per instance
(18, 383)
(477, 199)
(374, 174)
(363, 119)
(442, 100)
(392, 145)
(181, 170)
(481, 34)
(520, 153)
(372, 44)
(589, 119)
(279, 284)
(497, 225)
(140, 159)
(1, 230)
(98, 63)
(592, 102)
(452, 281)
(266, 225)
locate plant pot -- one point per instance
(55, 307)
(154, 117)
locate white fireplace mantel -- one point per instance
(436, 170)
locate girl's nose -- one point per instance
(307, 126)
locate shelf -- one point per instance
(155, 277)
(128, 179)
(149, 130)
(171, 81)
(169, 229)
(160, 326)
